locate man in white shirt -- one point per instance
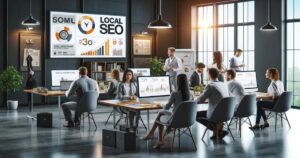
(197, 77)
(172, 66)
(234, 61)
(235, 88)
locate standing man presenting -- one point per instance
(234, 61)
(172, 65)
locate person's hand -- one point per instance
(242, 65)
(132, 97)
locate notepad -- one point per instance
(135, 104)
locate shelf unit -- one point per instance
(101, 71)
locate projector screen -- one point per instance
(153, 86)
(77, 35)
(63, 75)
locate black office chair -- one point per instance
(222, 113)
(184, 116)
(246, 108)
(282, 105)
(88, 103)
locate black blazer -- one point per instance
(195, 79)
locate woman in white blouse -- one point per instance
(274, 91)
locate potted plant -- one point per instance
(156, 66)
(11, 81)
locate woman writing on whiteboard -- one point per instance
(274, 91)
(182, 93)
(128, 91)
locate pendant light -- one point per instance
(159, 23)
(269, 27)
(30, 21)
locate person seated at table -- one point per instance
(197, 77)
(128, 91)
(181, 94)
(76, 90)
(274, 91)
(113, 89)
(214, 92)
(235, 88)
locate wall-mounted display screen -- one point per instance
(80, 35)
(63, 75)
(153, 86)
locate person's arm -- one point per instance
(72, 90)
(193, 80)
(206, 93)
(170, 102)
(97, 87)
(166, 66)
(179, 63)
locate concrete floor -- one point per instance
(20, 138)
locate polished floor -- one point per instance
(20, 138)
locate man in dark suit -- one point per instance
(197, 77)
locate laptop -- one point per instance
(65, 85)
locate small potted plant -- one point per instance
(198, 89)
(156, 66)
(11, 81)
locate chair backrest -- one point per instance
(184, 115)
(284, 102)
(88, 101)
(247, 106)
(224, 110)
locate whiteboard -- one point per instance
(187, 57)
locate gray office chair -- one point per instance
(119, 113)
(184, 116)
(282, 105)
(222, 113)
(246, 108)
(88, 103)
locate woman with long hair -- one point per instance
(181, 94)
(128, 91)
(218, 64)
(274, 91)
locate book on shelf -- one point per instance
(99, 69)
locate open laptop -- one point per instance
(65, 85)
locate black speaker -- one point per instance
(44, 119)
(126, 140)
(109, 138)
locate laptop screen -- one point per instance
(65, 85)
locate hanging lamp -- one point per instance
(269, 27)
(159, 23)
(30, 21)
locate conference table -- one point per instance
(133, 106)
(50, 93)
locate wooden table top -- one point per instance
(262, 95)
(49, 93)
(131, 104)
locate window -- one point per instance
(292, 50)
(226, 27)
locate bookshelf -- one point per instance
(101, 71)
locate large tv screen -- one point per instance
(153, 86)
(80, 35)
